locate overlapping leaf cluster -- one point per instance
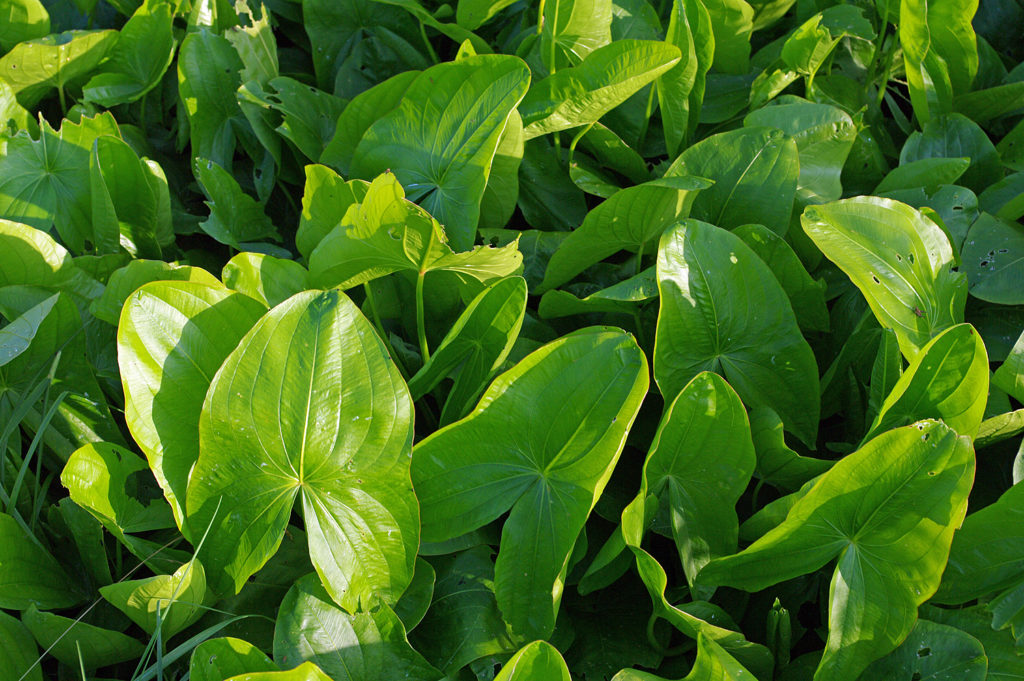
(582, 339)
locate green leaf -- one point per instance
(235, 217)
(987, 551)
(169, 603)
(953, 136)
(325, 200)
(1003, 662)
(933, 651)
(475, 347)
(713, 663)
(256, 46)
(140, 57)
(947, 380)
(502, 192)
(18, 651)
(208, 76)
(110, 482)
(607, 77)
(755, 173)
(940, 53)
(307, 671)
(887, 512)
(45, 183)
(1009, 377)
(732, 24)
(824, 136)
(363, 111)
(698, 491)
(777, 464)
(309, 405)
(387, 233)
(806, 295)
(572, 29)
(631, 219)
(899, 259)
(472, 14)
(76, 643)
(220, 658)
(681, 88)
(589, 386)
(623, 297)
(413, 605)
(128, 279)
(125, 207)
(268, 279)
(692, 619)
(307, 116)
(17, 336)
(367, 645)
(172, 338)
(463, 623)
(929, 173)
(22, 20)
(35, 67)
(358, 43)
(717, 295)
(1005, 199)
(537, 660)
(445, 165)
(29, 575)
(993, 260)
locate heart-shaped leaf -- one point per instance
(887, 512)
(35, 67)
(716, 297)
(309, 405)
(588, 385)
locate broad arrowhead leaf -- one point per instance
(887, 512)
(130, 278)
(23, 20)
(681, 88)
(713, 663)
(413, 605)
(824, 136)
(307, 671)
(220, 658)
(934, 651)
(732, 23)
(110, 483)
(18, 652)
(35, 67)
(624, 297)
(806, 295)
(699, 464)
(265, 278)
(1009, 377)
(235, 217)
(588, 385)
(929, 173)
(168, 602)
(307, 116)
(475, 347)
(631, 219)
(256, 46)
(208, 76)
(606, 78)
(755, 172)
(899, 259)
(29, 575)
(369, 644)
(537, 660)
(17, 336)
(716, 296)
(947, 380)
(75, 643)
(309, 405)
(777, 464)
(325, 200)
(446, 164)
(45, 183)
(572, 29)
(172, 338)
(993, 260)
(386, 233)
(138, 60)
(987, 551)
(463, 623)
(958, 136)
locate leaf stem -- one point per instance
(426, 41)
(421, 324)
(653, 640)
(372, 303)
(647, 118)
(576, 138)
(540, 18)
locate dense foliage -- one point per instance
(362, 340)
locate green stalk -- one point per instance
(372, 302)
(421, 324)
(575, 140)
